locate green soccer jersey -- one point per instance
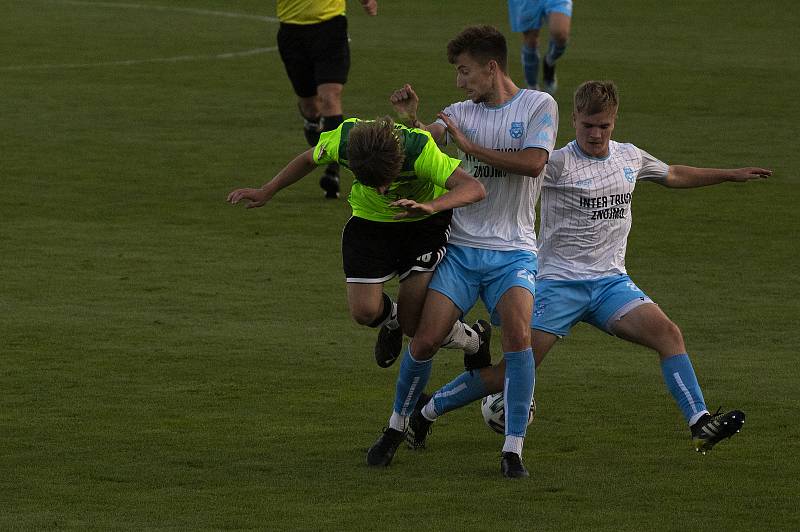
(422, 178)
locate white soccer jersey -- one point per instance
(505, 219)
(586, 209)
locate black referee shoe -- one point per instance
(329, 182)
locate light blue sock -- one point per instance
(554, 51)
(461, 391)
(530, 65)
(411, 382)
(682, 384)
(520, 380)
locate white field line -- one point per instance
(175, 59)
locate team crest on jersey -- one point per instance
(630, 175)
(517, 129)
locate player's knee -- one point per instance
(530, 39)
(365, 315)
(330, 102)
(668, 339)
(672, 333)
(560, 37)
(516, 338)
(424, 346)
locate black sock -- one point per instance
(329, 123)
(385, 313)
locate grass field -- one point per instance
(168, 361)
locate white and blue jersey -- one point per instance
(585, 221)
(586, 209)
(506, 218)
(492, 245)
(525, 15)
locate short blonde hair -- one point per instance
(593, 97)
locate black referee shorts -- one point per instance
(314, 54)
(374, 252)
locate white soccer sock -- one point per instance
(513, 444)
(429, 411)
(461, 336)
(398, 422)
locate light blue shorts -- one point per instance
(599, 302)
(527, 15)
(467, 273)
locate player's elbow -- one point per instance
(535, 162)
(537, 169)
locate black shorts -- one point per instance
(314, 54)
(374, 252)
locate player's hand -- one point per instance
(411, 208)
(405, 102)
(456, 134)
(741, 175)
(370, 6)
(255, 197)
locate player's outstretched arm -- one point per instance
(530, 161)
(406, 103)
(680, 176)
(293, 172)
(462, 189)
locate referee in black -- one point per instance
(312, 41)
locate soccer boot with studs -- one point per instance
(388, 346)
(511, 466)
(382, 451)
(418, 425)
(711, 429)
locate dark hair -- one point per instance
(373, 152)
(593, 97)
(482, 43)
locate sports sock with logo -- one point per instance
(519, 383)
(461, 391)
(682, 383)
(411, 382)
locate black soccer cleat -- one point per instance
(388, 346)
(549, 81)
(711, 429)
(382, 451)
(483, 358)
(418, 425)
(511, 466)
(329, 182)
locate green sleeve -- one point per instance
(435, 165)
(327, 149)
